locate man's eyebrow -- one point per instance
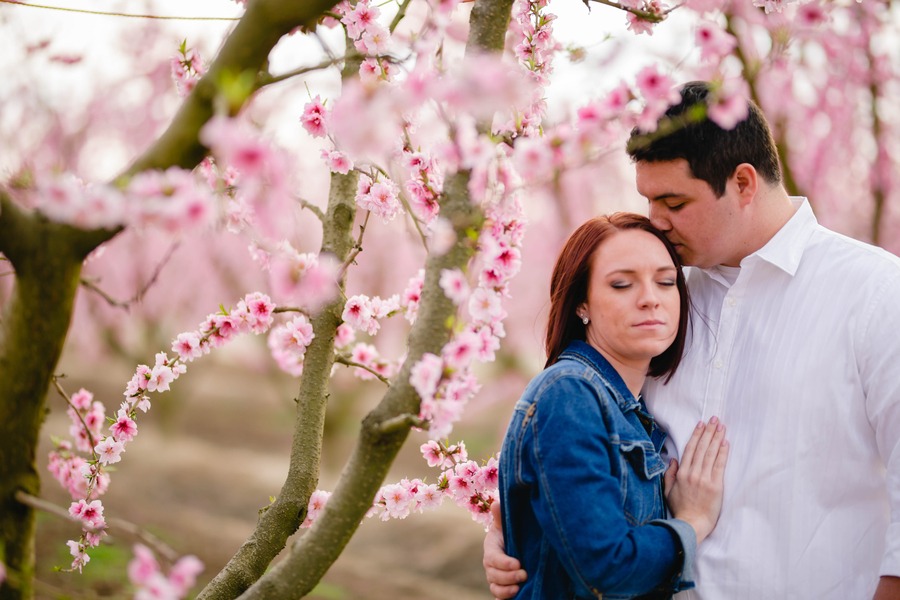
(666, 196)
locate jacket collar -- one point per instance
(585, 353)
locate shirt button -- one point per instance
(731, 301)
(718, 363)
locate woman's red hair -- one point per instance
(571, 280)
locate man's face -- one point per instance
(704, 229)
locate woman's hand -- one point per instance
(694, 488)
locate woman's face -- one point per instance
(632, 301)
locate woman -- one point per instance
(581, 479)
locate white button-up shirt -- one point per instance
(800, 358)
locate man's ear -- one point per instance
(746, 180)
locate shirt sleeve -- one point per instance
(879, 365)
(578, 502)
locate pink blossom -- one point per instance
(338, 162)
(426, 374)
(490, 343)
(640, 25)
(432, 453)
(654, 86)
(319, 286)
(382, 199)
(317, 501)
(489, 475)
(288, 343)
(364, 354)
(187, 346)
(374, 40)
(397, 500)
(360, 18)
(259, 309)
(344, 335)
(533, 158)
(89, 513)
(714, 42)
(82, 399)
(461, 350)
(109, 450)
(453, 283)
(484, 305)
(429, 497)
(358, 313)
(813, 14)
(314, 117)
(143, 566)
(238, 215)
(80, 557)
(384, 307)
(728, 106)
(124, 429)
(183, 574)
(411, 295)
(160, 378)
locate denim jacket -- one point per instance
(581, 486)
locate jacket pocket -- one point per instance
(642, 471)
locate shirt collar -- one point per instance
(785, 249)
(585, 353)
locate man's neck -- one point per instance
(772, 209)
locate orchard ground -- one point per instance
(211, 452)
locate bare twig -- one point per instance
(312, 208)
(401, 422)
(345, 360)
(139, 296)
(122, 525)
(357, 248)
(267, 79)
(401, 12)
(62, 392)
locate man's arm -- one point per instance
(888, 588)
(503, 572)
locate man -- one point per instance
(796, 346)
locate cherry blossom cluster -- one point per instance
(644, 14)
(370, 38)
(172, 200)
(363, 314)
(306, 278)
(87, 479)
(187, 69)
(149, 582)
(251, 168)
(532, 25)
(468, 484)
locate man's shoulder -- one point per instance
(843, 252)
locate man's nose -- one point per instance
(659, 217)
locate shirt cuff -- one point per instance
(687, 539)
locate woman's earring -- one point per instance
(585, 319)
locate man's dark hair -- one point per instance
(712, 153)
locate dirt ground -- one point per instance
(210, 456)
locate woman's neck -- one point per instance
(633, 373)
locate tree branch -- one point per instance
(127, 527)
